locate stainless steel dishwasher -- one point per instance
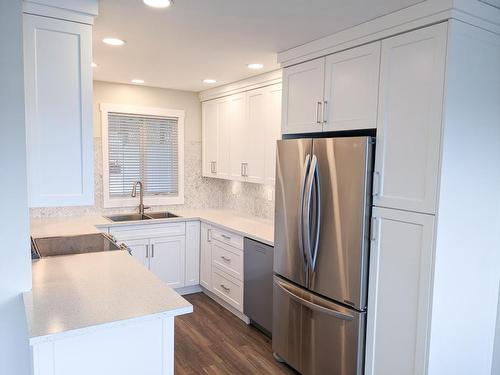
(258, 288)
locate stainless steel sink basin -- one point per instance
(161, 215)
(148, 216)
(128, 217)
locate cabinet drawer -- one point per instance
(227, 237)
(228, 289)
(228, 259)
(148, 230)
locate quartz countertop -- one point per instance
(76, 292)
(253, 227)
(66, 226)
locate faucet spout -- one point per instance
(141, 195)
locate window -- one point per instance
(142, 144)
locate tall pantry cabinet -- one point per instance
(58, 96)
(435, 238)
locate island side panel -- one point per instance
(140, 347)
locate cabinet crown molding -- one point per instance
(481, 13)
(81, 11)
(255, 82)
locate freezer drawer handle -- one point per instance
(313, 306)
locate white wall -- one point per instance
(15, 258)
(467, 265)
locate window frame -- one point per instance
(105, 109)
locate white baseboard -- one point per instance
(227, 306)
(189, 289)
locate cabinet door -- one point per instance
(272, 131)
(58, 91)
(303, 97)
(192, 253)
(167, 260)
(140, 250)
(399, 296)
(205, 257)
(210, 120)
(409, 120)
(351, 89)
(256, 135)
(223, 139)
(237, 135)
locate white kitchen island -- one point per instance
(100, 313)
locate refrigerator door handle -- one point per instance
(301, 206)
(317, 226)
(311, 305)
(307, 213)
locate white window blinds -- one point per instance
(143, 148)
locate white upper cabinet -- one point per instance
(224, 126)
(237, 136)
(58, 91)
(409, 120)
(333, 93)
(209, 132)
(351, 89)
(240, 133)
(253, 168)
(399, 296)
(272, 131)
(303, 87)
(263, 130)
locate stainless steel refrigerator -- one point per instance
(321, 249)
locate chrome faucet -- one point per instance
(141, 196)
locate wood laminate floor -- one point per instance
(212, 340)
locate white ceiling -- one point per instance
(179, 46)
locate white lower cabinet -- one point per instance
(171, 251)
(167, 259)
(221, 264)
(192, 267)
(205, 257)
(399, 297)
(139, 249)
(228, 289)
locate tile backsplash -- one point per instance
(199, 192)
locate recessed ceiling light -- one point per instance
(94, 65)
(138, 81)
(209, 80)
(113, 41)
(255, 66)
(158, 3)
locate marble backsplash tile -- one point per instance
(199, 192)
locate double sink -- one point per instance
(148, 216)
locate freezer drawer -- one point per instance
(315, 335)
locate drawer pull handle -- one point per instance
(225, 288)
(224, 258)
(226, 236)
